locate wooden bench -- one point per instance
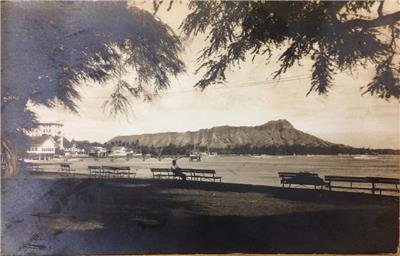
(201, 174)
(65, 169)
(191, 174)
(372, 181)
(34, 168)
(117, 171)
(301, 178)
(346, 179)
(159, 173)
(381, 180)
(95, 171)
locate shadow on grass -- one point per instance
(296, 194)
(152, 216)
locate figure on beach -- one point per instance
(177, 171)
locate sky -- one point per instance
(249, 97)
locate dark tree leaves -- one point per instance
(322, 70)
(49, 48)
(348, 39)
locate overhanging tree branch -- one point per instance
(350, 38)
(386, 20)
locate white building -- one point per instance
(118, 151)
(98, 152)
(74, 151)
(41, 148)
(52, 129)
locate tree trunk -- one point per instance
(9, 161)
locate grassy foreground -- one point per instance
(72, 215)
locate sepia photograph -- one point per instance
(200, 127)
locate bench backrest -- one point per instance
(65, 167)
(123, 168)
(200, 171)
(90, 167)
(384, 180)
(116, 168)
(347, 179)
(160, 169)
(287, 174)
(185, 170)
(294, 174)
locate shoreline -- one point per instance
(253, 170)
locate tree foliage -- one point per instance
(338, 36)
(49, 48)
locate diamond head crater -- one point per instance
(277, 137)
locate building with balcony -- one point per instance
(98, 152)
(41, 148)
(54, 130)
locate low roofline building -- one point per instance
(41, 148)
(52, 129)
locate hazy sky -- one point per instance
(249, 97)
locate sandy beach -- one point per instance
(255, 170)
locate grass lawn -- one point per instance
(74, 215)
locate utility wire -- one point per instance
(245, 84)
(235, 86)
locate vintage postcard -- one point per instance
(200, 127)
